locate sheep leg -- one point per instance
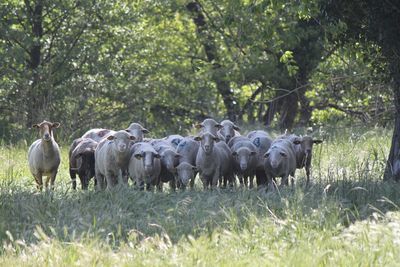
(160, 186)
(148, 187)
(72, 174)
(245, 181)
(192, 181)
(204, 181)
(285, 180)
(101, 185)
(240, 180)
(39, 181)
(214, 180)
(52, 179)
(261, 178)
(231, 179)
(172, 184)
(84, 182)
(111, 180)
(125, 176)
(251, 182)
(140, 184)
(308, 176)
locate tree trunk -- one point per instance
(305, 109)
(392, 170)
(289, 110)
(35, 98)
(219, 76)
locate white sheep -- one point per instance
(44, 155)
(112, 159)
(213, 161)
(144, 165)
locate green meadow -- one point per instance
(348, 216)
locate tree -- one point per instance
(378, 22)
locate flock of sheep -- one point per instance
(218, 153)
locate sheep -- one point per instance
(229, 130)
(174, 139)
(144, 165)
(257, 133)
(211, 126)
(97, 134)
(245, 160)
(303, 150)
(236, 139)
(186, 169)
(112, 159)
(44, 155)
(280, 161)
(81, 161)
(169, 160)
(138, 131)
(263, 142)
(213, 160)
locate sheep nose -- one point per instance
(207, 147)
(228, 137)
(46, 136)
(243, 166)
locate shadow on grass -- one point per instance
(125, 214)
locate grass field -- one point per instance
(348, 217)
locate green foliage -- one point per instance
(110, 63)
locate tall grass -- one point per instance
(347, 217)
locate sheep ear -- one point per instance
(131, 137)
(35, 126)
(110, 137)
(145, 131)
(317, 141)
(236, 128)
(56, 125)
(219, 126)
(197, 138)
(198, 126)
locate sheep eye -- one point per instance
(267, 155)
(283, 154)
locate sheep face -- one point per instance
(170, 159)
(122, 141)
(228, 129)
(186, 172)
(307, 143)
(275, 156)
(207, 141)
(147, 158)
(137, 130)
(209, 125)
(45, 129)
(243, 156)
